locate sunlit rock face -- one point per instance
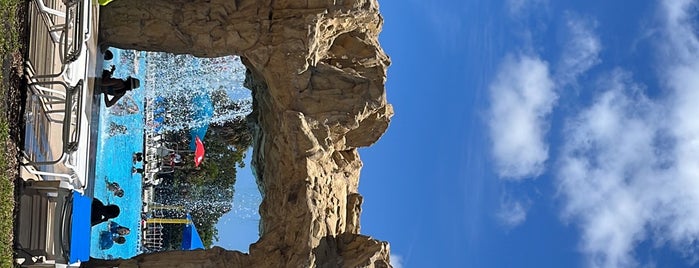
(317, 74)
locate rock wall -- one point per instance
(317, 74)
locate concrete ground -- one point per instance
(43, 138)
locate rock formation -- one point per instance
(317, 74)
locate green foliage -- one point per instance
(6, 203)
(9, 43)
(206, 192)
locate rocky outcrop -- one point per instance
(317, 74)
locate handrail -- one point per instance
(70, 135)
(70, 47)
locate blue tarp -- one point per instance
(191, 239)
(81, 228)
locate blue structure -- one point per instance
(191, 239)
(204, 110)
(80, 229)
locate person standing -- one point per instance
(115, 88)
(101, 213)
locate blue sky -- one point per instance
(538, 133)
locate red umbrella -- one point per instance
(198, 152)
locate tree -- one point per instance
(215, 102)
(206, 192)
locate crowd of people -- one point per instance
(100, 213)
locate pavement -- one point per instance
(43, 139)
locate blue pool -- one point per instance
(185, 82)
(120, 136)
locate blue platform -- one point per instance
(80, 229)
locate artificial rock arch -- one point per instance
(317, 73)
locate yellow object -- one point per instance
(168, 221)
(104, 2)
(156, 206)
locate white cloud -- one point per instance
(608, 160)
(524, 94)
(521, 97)
(629, 170)
(396, 261)
(521, 7)
(512, 213)
(682, 42)
(580, 52)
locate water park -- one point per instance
(125, 152)
(123, 163)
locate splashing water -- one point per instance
(194, 93)
(184, 86)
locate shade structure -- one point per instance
(191, 239)
(197, 132)
(203, 111)
(198, 152)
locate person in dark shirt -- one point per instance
(114, 234)
(101, 213)
(115, 189)
(108, 239)
(117, 129)
(117, 229)
(115, 87)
